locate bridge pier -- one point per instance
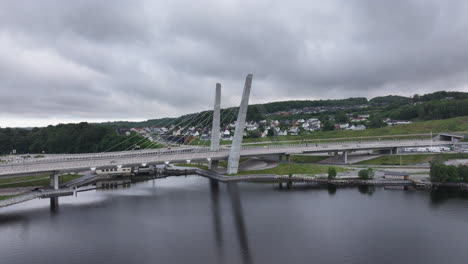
(345, 157)
(54, 204)
(54, 181)
(215, 129)
(234, 154)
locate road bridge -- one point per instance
(81, 162)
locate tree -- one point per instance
(341, 117)
(271, 132)
(376, 122)
(328, 126)
(253, 134)
(366, 174)
(331, 173)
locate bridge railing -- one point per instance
(180, 154)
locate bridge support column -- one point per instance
(215, 129)
(234, 154)
(54, 181)
(345, 157)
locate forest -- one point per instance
(66, 138)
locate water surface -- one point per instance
(190, 220)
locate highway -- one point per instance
(79, 162)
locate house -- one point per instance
(283, 133)
(396, 175)
(341, 126)
(294, 131)
(358, 127)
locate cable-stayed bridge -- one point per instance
(80, 162)
(187, 153)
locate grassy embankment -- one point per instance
(3, 197)
(29, 181)
(307, 159)
(412, 159)
(286, 169)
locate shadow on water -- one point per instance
(24, 217)
(443, 194)
(236, 206)
(215, 206)
(54, 205)
(366, 189)
(331, 189)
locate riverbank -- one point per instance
(272, 178)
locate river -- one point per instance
(191, 220)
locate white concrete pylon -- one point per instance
(234, 154)
(215, 130)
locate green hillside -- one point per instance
(424, 127)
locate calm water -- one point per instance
(188, 220)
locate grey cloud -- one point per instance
(146, 59)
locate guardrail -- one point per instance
(69, 163)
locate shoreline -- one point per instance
(308, 179)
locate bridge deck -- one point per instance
(87, 161)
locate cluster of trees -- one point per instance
(67, 138)
(438, 109)
(439, 96)
(298, 104)
(448, 173)
(393, 100)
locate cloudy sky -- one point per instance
(95, 60)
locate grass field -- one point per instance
(307, 159)
(412, 159)
(286, 169)
(3, 197)
(27, 181)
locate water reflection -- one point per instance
(331, 189)
(366, 189)
(149, 223)
(443, 194)
(215, 207)
(236, 206)
(54, 205)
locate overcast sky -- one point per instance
(96, 60)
